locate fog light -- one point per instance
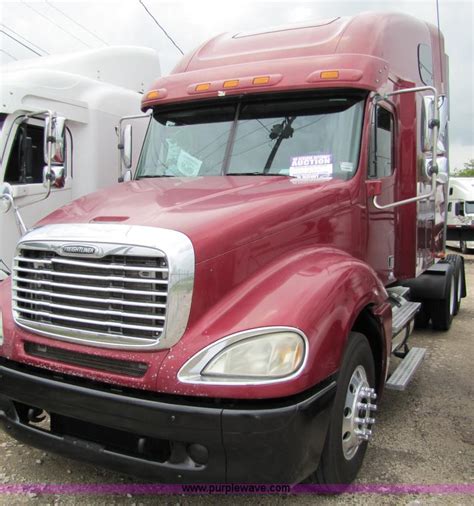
(199, 453)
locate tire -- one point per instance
(458, 272)
(443, 309)
(342, 456)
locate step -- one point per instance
(402, 315)
(406, 369)
(400, 291)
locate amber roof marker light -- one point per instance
(203, 87)
(231, 83)
(152, 95)
(261, 80)
(329, 74)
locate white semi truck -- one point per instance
(83, 94)
(461, 209)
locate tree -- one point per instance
(468, 170)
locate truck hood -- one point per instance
(217, 213)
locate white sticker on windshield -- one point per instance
(311, 167)
(187, 164)
(347, 166)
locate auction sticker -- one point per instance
(311, 167)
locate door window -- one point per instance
(382, 145)
(26, 160)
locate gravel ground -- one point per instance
(424, 436)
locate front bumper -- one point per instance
(167, 439)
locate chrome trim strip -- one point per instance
(86, 309)
(92, 299)
(88, 287)
(83, 336)
(86, 320)
(112, 248)
(126, 240)
(65, 261)
(59, 274)
(190, 372)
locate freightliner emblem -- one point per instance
(78, 249)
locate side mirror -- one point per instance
(125, 146)
(428, 167)
(6, 197)
(427, 116)
(442, 177)
(443, 170)
(443, 107)
(55, 175)
(58, 138)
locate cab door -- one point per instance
(381, 222)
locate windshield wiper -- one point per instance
(252, 174)
(279, 132)
(148, 176)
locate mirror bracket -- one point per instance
(54, 176)
(434, 126)
(433, 169)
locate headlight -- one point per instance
(256, 356)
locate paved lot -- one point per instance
(423, 436)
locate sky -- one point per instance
(62, 26)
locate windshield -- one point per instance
(469, 208)
(315, 138)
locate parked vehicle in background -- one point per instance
(461, 209)
(85, 93)
(230, 313)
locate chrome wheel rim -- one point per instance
(358, 413)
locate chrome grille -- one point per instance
(116, 298)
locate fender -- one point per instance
(431, 284)
(320, 291)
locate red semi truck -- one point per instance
(229, 313)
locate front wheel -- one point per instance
(352, 416)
